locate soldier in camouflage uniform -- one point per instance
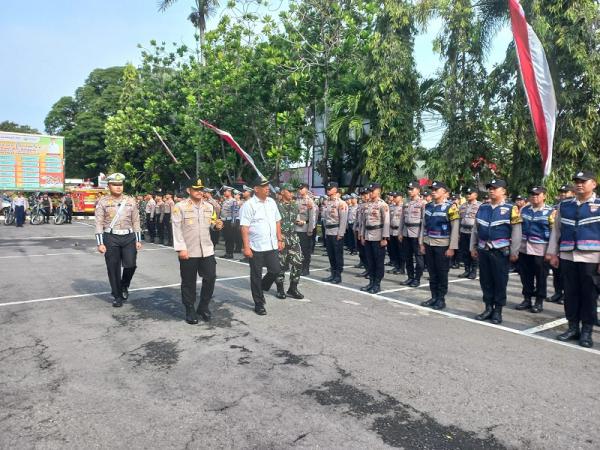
(291, 255)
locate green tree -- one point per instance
(13, 127)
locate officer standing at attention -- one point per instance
(375, 232)
(260, 222)
(141, 202)
(396, 209)
(538, 220)
(167, 207)
(411, 224)
(208, 196)
(352, 209)
(575, 248)
(192, 220)
(118, 235)
(438, 240)
(468, 211)
(335, 220)
(364, 200)
(495, 242)
(227, 211)
(159, 225)
(306, 221)
(20, 204)
(151, 217)
(291, 255)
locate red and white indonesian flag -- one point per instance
(537, 81)
(229, 139)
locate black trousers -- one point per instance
(493, 275)
(335, 252)
(214, 236)
(394, 251)
(20, 215)
(69, 211)
(557, 281)
(270, 260)
(350, 239)
(414, 261)
(464, 252)
(361, 252)
(189, 270)
(582, 286)
(46, 212)
(229, 236)
(306, 246)
(120, 252)
(533, 271)
(167, 229)
(238, 237)
(151, 226)
(439, 266)
(375, 255)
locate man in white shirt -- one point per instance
(260, 223)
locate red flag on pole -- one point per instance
(537, 81)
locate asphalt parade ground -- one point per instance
(340, 369)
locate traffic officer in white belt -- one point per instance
(335, 220)
(227, 211)
(192, 221)
(575, 247)
(118, 235)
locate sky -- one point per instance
(49, 48)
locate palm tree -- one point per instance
(202, 10)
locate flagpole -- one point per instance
(169, 152)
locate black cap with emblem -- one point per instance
(495, 183)
(439, 185)
(331, 185)
(260, 181)
(584, 175)
(195, 184)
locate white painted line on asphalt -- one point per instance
(93, 294)
(422, 285)
(455, 316)
(545, 326)
(350, 302)
(44, 254)
(52, 237)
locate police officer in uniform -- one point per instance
(396, 209)
(306, 221)
(118, 235)
(411, 224)
(335, 220)
(575, 248)
(468, 211)
(192, 221)
(438, 239)
(495, 242)
(227, 210)
(374, 233)
(538, 219)
(208, 196)
(151, 217)
(291, 255)
(167, 207)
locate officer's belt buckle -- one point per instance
(118, 232)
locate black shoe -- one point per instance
(227, 256)
(539, 306)
(428, 303)
(486, 314)
(204, 313)
(415, 283)
(375, 289)
(190, 315)
(556, 298)
(525, 304)
(472, 274)
(280, 291)
(337, 279)
(571, 334)
(329, 279)
(497, 315)
(439, 305)
(368, 287)
(586, 336)
(363, 274)
(124, 293)
(406, 282)
(294, 292)
(260, 310)
(465, 274)
(117, 302)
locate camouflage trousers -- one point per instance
(290, 259)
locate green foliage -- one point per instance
(13, 127)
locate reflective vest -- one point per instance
(537, 224)
(579, 225)
(494, 225)
(437, 223)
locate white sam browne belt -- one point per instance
(118, 232)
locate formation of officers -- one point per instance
(430, 230)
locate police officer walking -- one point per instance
(192, 221)
(118, 235)
(411, 224)
(374, 233)
(538, 219)
(291, 255)
(335, 220)
(495, 242)
(575, 248)
(438, 240)
(306, 221)
(227, 210)
(468, 211)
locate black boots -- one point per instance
(572, 332)
(369, 286)
(586, 336)
(204, 312)
(496, 315)
(117, 302)
(280, 291)
(294, 292)
(485, 315)
(465, 274)
(439, 304)
(525, 304)
(558, 297)
(539, 306)
(428, 303)
(190, 315)
(337, 278)
(472, 273)
(330, 278)
(376, 288)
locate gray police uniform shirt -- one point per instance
(375, 221)
(395, 219)
(307, 215)
(191, 224)
(107, 208)
(412, 217)
(352, 211)
(335, 217)
(227, 209)
(468, 211)
(151, 208)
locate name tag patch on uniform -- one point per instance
(504, 210)
(594, 208)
